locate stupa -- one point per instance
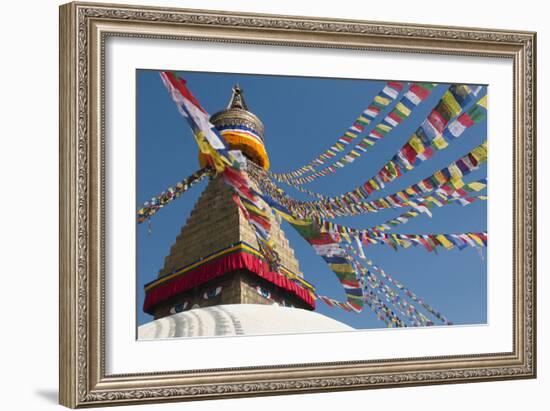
(215, 259)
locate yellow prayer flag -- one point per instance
(440, 177)
(383, 127)
(434, 200)
(256, 210)
(455, 171)
(476, 186)
(382, 100)
(483, 102)
(206, 148)
(439, 142)
(450, 101)
(291, 219)
(342, 268)
(396, 239)
(457, 183)
(202, 143)
(416, 144)
(219, 163)
(480, 153)
(371, 240)
(370, 207)
(384, 202)
(401, 195)
(443, 240)
(403, 109)
(390, 168)
(476, 239)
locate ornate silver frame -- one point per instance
(84, 28)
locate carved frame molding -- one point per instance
(84, 27)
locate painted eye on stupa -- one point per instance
(214, 292)
(263, 292)
(178, 308)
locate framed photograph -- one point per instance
(260, 204)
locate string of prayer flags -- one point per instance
(474, 115)
(364, 290)
(360, 290)
(357, 292)
(444, 181)
(410, 294)
(461, 196)
(327, 246)
(430, 203)
(375, 293)
(212, 144)
(149, 208)
(331, 302)
(401, 303)
(394, 240)
(347, 276)
(428, 136)
(359, 284)
(190, 108)
(368, 286)
(417, 93)
(382, 312)
(383, 99)
(255, 213)
(415, 152)
(309, 192)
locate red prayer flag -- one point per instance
(395, 85)
(422, 93)
(375, 134)
(437, 121)
(465, 120)
(395, 117)
(409, 153)
(179, 84)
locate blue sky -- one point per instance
(303, 116)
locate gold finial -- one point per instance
(237, 113)
(237, 99)
(242, 129)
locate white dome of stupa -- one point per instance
(239, 319)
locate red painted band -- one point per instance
(216, 268)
